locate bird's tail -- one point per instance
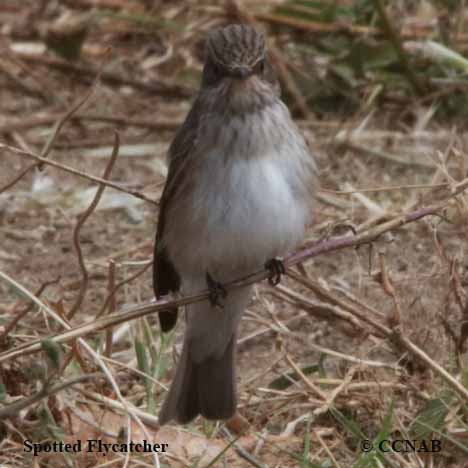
(207, 388)
(205, 377)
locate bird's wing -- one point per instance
(166, 279)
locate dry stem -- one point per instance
(80, 223)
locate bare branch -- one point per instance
(76, 172)
(48, 390)
(301, 255)
(17, 178)
(82, 220)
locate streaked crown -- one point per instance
(236, 47)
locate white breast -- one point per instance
(243, 209)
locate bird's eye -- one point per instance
(259, 67)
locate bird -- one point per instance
(238, 196)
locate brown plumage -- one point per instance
(238, 193)
(235, 47)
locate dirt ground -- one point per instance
(316, 376)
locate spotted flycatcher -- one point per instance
(238, 193)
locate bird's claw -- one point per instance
(217, 291)
(276, 268)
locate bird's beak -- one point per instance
(242, 72)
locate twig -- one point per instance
(355, 300)
(82, 220)
(118, 286)
(347, 357)
(316, 307)
(416, 351)
(14, 408)
(390, 188)
(250, 459)
(19, 315)
(99, 324)
(316, 390)
(387, 285)
(130, 409)
(368, 236)
(326, 295)
(17, 178)
(76, 172)
(334, 394)
(149, 419)
(329, 452)
(111, 307)
(301, 255)
(134, 370)
(171, 126)
(241, 342)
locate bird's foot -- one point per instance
(276, 268)
(217, 292)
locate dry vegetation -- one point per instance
(365, 338)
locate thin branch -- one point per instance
(418, 352)
(316, 390)
(326, 295)
(327, 450)
(82, 220)
(334, 394)
(14, 408)
(370, 235)
(390, 188)
(149, 419)
(20, 314)
(112, 307)
(18, 178)
(76, 172)
(130, 409)
(118, 286)
(312, 307)
(300, 256)
(389, 289)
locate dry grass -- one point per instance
(364, 339)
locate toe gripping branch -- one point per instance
(276, 268)
(217, 291)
